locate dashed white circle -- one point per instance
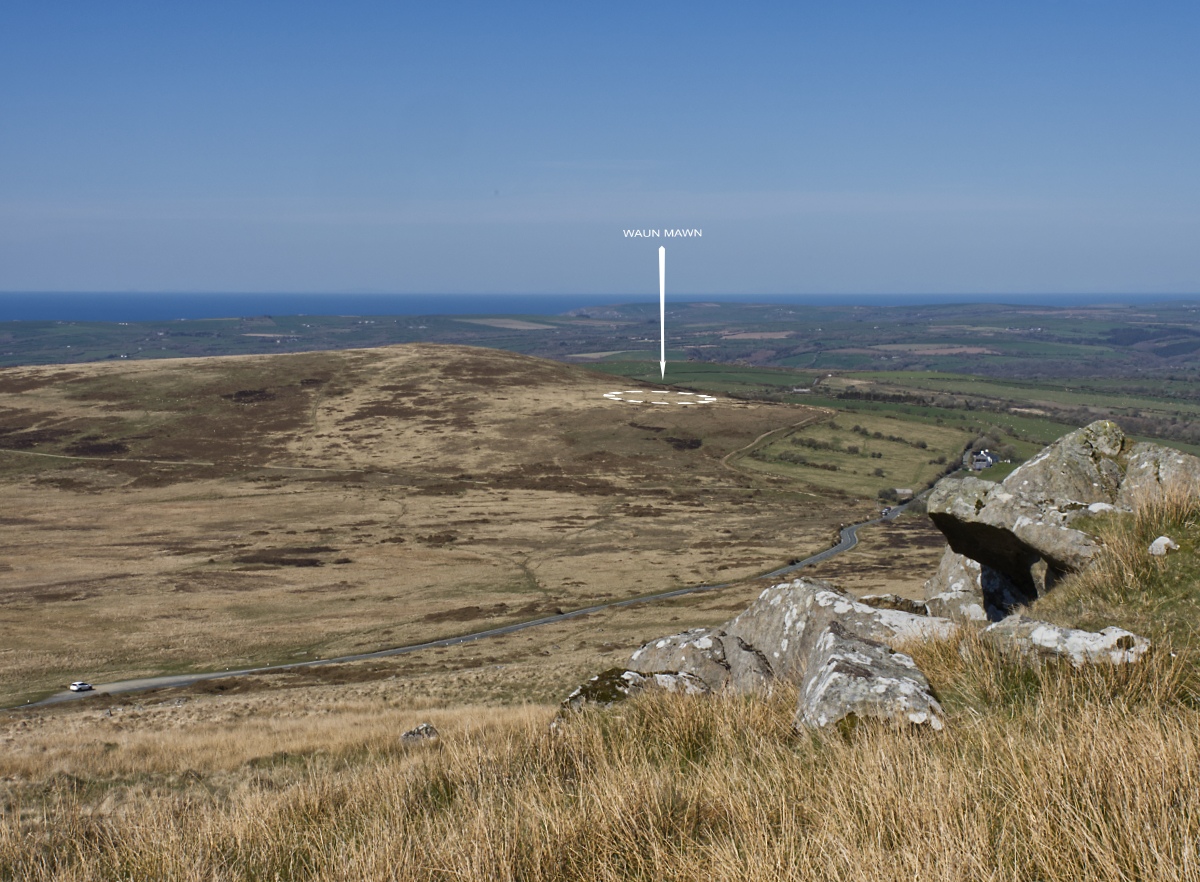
(660, 397)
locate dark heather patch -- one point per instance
(250, 396)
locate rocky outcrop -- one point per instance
(1024, 527)
(965, 590)
(808, 632)
(1031, 637)
(1008, 543)
(850, 678)
(786, 619)
(618, 684)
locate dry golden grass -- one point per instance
(1047, 773)
(1044, 772)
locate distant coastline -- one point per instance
(140, 307)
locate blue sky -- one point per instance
(473, 148)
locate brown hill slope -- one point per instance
(210, 513)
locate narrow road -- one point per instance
(848, 538)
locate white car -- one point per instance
(80, 686)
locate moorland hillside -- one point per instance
(205, 514)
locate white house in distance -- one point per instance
(980, 460)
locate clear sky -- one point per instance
(425, 147)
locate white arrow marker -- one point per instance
(662, 311)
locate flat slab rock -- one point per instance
(1031, 637)
(895, 601)
(617, 684)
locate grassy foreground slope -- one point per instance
(1043, 772)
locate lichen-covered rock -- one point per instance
(1031, 637)
(617, 684)
(1012, 532)
(422, 734)
(1022, 527)
(782, 623)
(896, 602)
(1163, 544)
(1025, 527)
(719, 659)
(965, 590)
(774, 636)
(852, 677)
(808, 632)
(1082, 466)
(1150, 467)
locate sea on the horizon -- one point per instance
(141, 307)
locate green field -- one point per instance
(862, 457)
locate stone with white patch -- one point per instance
(965, 590)
(720, 660)
(852, 678)
(1032, 637)
(1163, 544)
(810, 633)
(425, 733)
(617, 684)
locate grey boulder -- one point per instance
(1031, 637)
(617, 684)
(966, 590)
(1083, 466)
(850, 678)
(786, 619)
(1150, 467)
(718, 658)
(774, 636)
(423, 734)
(1021, 527)
(1163, 544)
(810, 633)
